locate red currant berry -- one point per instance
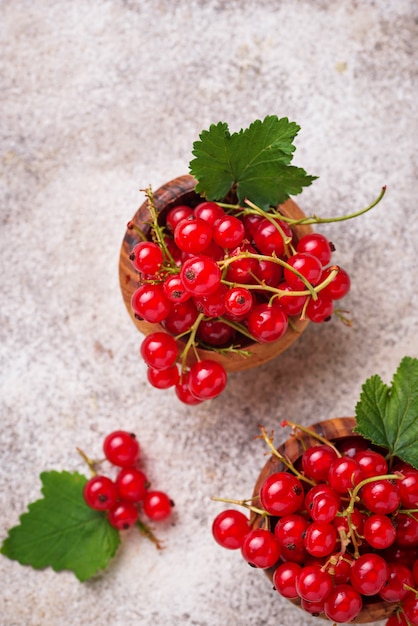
(193, 235)
(396, 588)
(338, 287)
(381, 496)
(349, 446)
(212, 305)
(159, 350)
(181, 317)
(174, 289)
(121, 448)
(372, 463)
(269, 273)
(269, 239)
(281, 494)
(379, 532)
(344, 473)
(342, 568)
(238, 301)
(410, 609)
(229, 529)
(407, 529)
(176, 215)
(163, 378)
(284, 579)
(267, 322)
(210, 212)
(313, 584)
(408, 489)
(251, 223)
(316, 461)
(123, 515)
(307, 265)
(214, 332)
(157, 505)
(319, 310)
(369, 573)
(228, 231)
(320, 539)
(147, 257)
(317, 245)
(322, 503)
(183, 392)
(343, 604)
(100, 493)
(260, 548)
(132, 484)
(314, 608)
(289, 531)
(200, 275)
(150, 303)
(207, 379)
(397, 619)
(243, 269)
(293, 305)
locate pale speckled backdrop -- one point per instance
(101, 98)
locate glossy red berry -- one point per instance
(214, 332)
(157, 505)
(210, 212)
(269, 239)
(100, 493)
(284, 579)
(174, 289)
(343, 604)
(320, 539)
(338, 287)
(147, 257)
(238, 301)
(260, 548)
(408, 489)
(213, 304)
(123, 515)
(281, 494)
(229, 529)
(150, 303)
(290, 530)
(316, 461)
(381, 496)
(317, 245)
(292, 304)
(407, 529)
(207, 379)
(163, 378)
(396, 587)
(267, 322)
(193, 235)
(313, 584)
(121, 448)
(410, 609)
(307, 265)
(344, 473)
(228, 231)
(319, 310)
(372, 463)
(131, 484)
(322, 503)
(176, 215)
(369, 573)
(200, 275)
(159, 350)
(183, 392)
(379, 532)
(181, 317)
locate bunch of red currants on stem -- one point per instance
(220, 277)
(123, 497)
(337, 530)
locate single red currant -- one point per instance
(317, 245)
(210, 212)
(157, 505)
(344, 473)
(267, 322)
(408, 489)
(147, 257)
(260, 548)
(307, 265)
(284, 579)
(281, 494)
(238, 301)
(176, 215)
(174, 289)
(290, 530)
(212, 305)
(369, 573)
(316, 461)
(150, 303)
(313, 584)
(407, 529)
(338, 287)
(293, 305)
(181, 317)
(396, 588)
(319, 310)
(214, 332)
(100, 493)
(132, 484)
(207, 379)
(269, 236)
(372, 463)
(200, 275)
(320, 539)
(343, 604)
(379, 532)
(183, 392)
(163, 378)
(159, 350)
(229, 529)
(228, 231)
(410, 609)
(121, 448)
(123, 515)
(193, 235)
(381, 496)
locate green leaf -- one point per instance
(255, 162)
(388, 416)
(61, 531)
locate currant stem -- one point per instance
(132, 226)
(91, 463)
(284, 460)
(156, 228)
(244, 503)
(312, 433)
(145, 530)
(191, 342)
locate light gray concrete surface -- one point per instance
(102, 98)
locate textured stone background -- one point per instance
(102, 98)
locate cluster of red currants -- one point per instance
(122, 497)
(224, 279)
(338, 529)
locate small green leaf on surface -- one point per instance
(254, 162)
(388, 416)
(61, 531)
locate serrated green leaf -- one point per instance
(254, 162)
(388, 416)
(61, 531)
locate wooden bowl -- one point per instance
(181, 190)
(335, 429)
